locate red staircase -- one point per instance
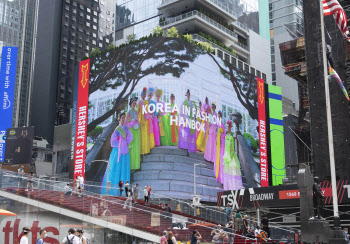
(141, 217)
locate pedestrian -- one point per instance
(136, 192)
(195, 237)
(346, 235)
(266, 226)
(245, 227)
(238, 220)
(145, 191)
(128, 200)
(228, 213)
(81, 181)
(20, 174)
(171, 238)
(42, 236)
(82, 239)
(24, 239)
(149, 189)
(71, 238)
(30, 180)
(76, 183)
(121, 183)
(163, 238)
(126, 186)
(79, 192)
(168, 208)
(67, 190)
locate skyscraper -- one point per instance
(18, 19)
(68, 30)
(286, 23)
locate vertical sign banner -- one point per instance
(278, 166)
(74, 119)
(7, 92)
(264, 179)
(81, 118)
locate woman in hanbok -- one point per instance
(210, 149)
(232, 167)
(164, 141)
(132, 122)
(203, 135)
(118, 168)
(144, 124)
(187, 136)
(220, 149)
(152, 121)
(171, 130)
(199, 119)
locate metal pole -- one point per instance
(329, 118)
(194, 182)
(258, 216)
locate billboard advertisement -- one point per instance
(160, 107)
(7, 92)
(19, 145)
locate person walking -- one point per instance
(30, 180)
(171, 238)
(266, 226)
(136, 192)
(128, 200)
(24, 239)
(121, 183)
(195, 237)
(245, 227)
(20, 174)
(238, 220)
(126, 186)
(346, 235)
(163, 238)
(42, 236)
(81, 181)
(82, 239)
(149, 189)
(71, 238)
(145, 192)
(228, 213)
(76, 183)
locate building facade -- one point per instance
(18, 21)
(286, 23)
(68, 30)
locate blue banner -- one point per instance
(7, 93)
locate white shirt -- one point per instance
(146, 192)
(126, 185)
(24, 240)
(66, 189)
(81, 180)
(70, 237)
(129, 196)
(257, 232)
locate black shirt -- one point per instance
(265, 222)
(194, 240)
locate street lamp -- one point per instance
(194, 184)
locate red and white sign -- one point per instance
(82, 116)
(264, 176)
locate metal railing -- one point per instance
(224, 8)
(242, 46)
(172, 20)
(203, 39)
(241, 25)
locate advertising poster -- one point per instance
(159, 107)
(7, 92)
(19, 145)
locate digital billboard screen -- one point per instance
(159, 107)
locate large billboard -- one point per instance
(19, 145)
(7, 92)
(179, 107)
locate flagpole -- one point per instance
(329, 122)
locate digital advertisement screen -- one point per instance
(19, 145)
(161, 108)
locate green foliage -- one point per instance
(206, 46)
(157, 31)
(253, 144)
(220, 44)
(94, 134)
(187, 37)
(257, 142)
(131, 38)
(95, 52)
(111, 47)
(172, 32)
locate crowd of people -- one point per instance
(140, 130)
(168, 237)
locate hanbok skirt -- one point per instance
(117, 171)
(186, 140)
(135, 147)
(144, 137)
(232, 172)
(156, 131)
(210, 149)
(166, 139)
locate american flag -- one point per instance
(333, 7)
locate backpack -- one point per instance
(70, 241)
(87, 240)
